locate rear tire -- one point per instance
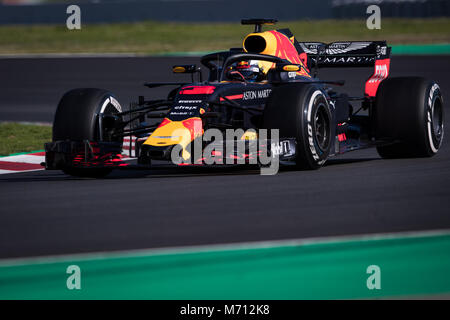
(76, 119)
(409, 112)
(301, 111)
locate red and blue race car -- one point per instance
(261, 101)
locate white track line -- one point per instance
(8, 171)
(38, 159)
(24, 158)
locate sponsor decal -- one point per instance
(310, 47)
(311, 143)
(256, 94)
(332, 104)
(334, 48)
(381, 51)
(181, 107)
(343, 47)
(381, 72)
(184, 110)
(282, 148)
(189, 101)
(344, 60)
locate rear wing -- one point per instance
(345, 53)
(350, 54)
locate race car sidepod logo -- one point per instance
(256, 94)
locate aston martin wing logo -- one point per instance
(310, 47)
(343, 47)
(333, 48)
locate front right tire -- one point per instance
(301, 111)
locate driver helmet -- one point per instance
(247, 70)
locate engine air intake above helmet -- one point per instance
(255, 44)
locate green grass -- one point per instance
(16, 137)
(157, 37)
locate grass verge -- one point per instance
(15, 137)
(162, 37)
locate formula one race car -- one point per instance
(268, 96)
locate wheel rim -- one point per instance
(322, 127)
(437, 119)
(107, 131)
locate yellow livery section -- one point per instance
(274, 43)
(176, 133)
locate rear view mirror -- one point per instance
(188, 68)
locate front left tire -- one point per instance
(76, 119)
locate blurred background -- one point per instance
(103, 11)
(161, 26)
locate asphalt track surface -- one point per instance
(46, 213)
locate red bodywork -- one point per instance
(381, 72)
